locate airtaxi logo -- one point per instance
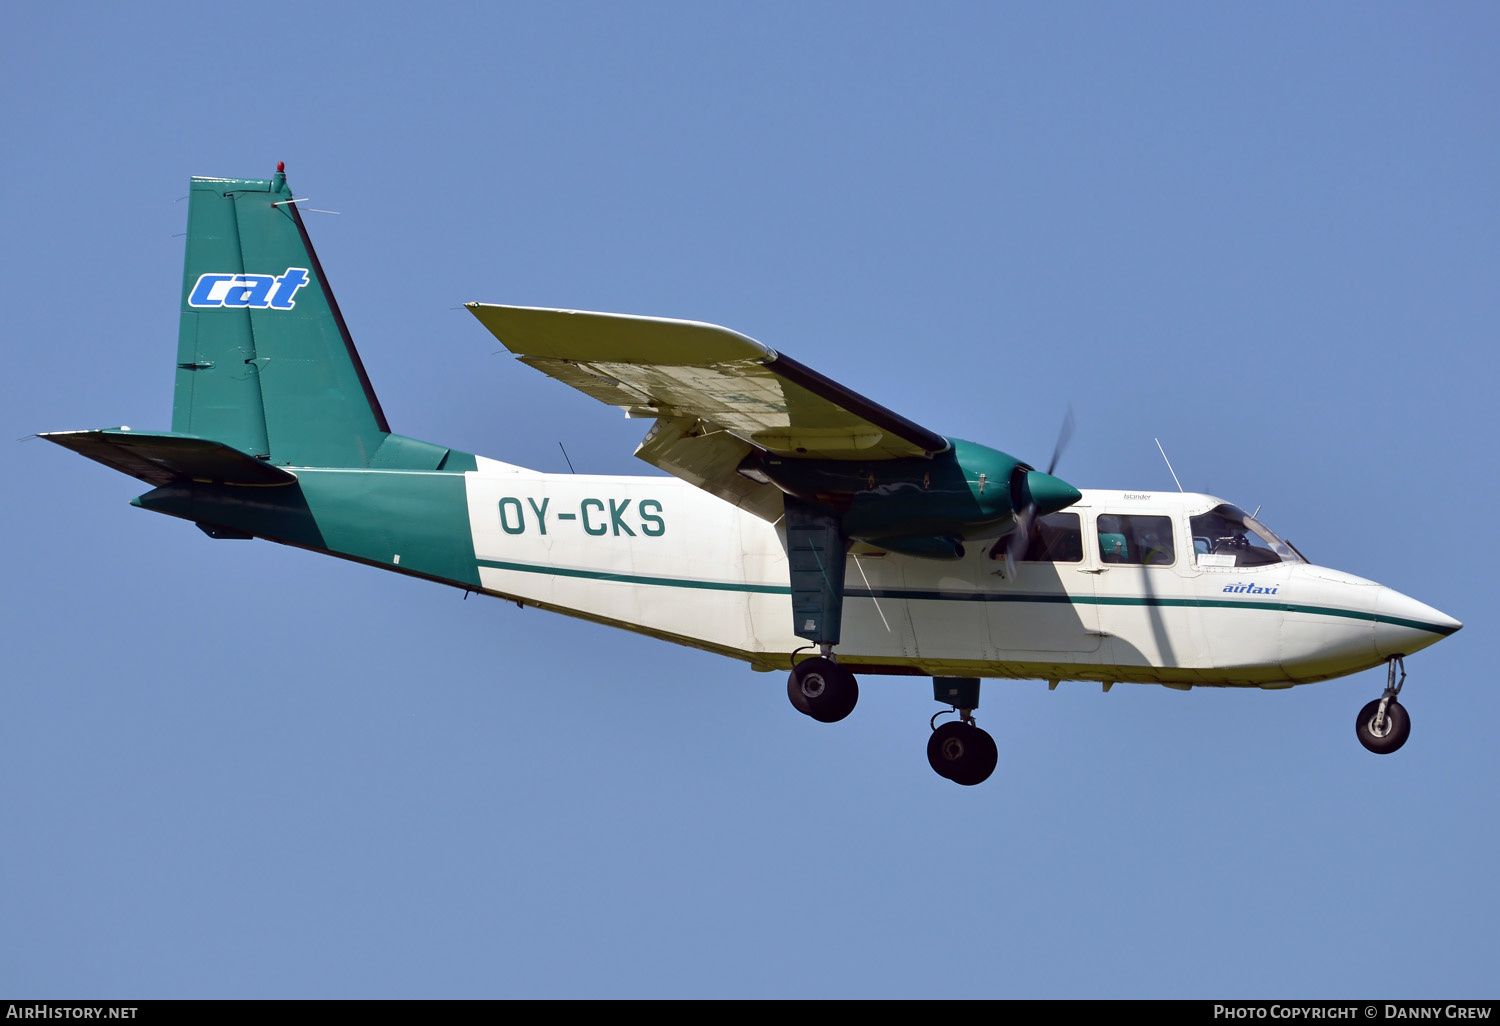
(1243, 588)
(248, 291)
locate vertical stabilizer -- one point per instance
(264, 360)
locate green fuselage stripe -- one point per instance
(664, 582)
(910, 594)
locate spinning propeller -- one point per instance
(1030, 489)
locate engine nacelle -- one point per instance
(919, 507)
(932, 546)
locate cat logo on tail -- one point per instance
(253, 291)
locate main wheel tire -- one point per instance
(1397, 727)
(962, 753)
(822, 689)
(945, 748)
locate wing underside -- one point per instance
(715, 394)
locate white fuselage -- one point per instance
(661, 557)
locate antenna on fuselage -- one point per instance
(565, 456)
(1169, 464)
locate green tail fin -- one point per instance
(265, 363)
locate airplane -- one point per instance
(803, 527)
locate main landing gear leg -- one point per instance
(815, 543)
(959, 750)
(1383, 725)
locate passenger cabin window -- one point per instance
(1136, 539)
(1228, 536)
(1055, 538)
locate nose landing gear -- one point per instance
(1383, 725)
(958, 750)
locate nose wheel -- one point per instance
(1383, 725)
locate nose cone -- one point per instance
(1050, 493)
(1403, 624)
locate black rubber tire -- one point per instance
(822, 689)
(962, 753)
(940, 756)
(1398, 727)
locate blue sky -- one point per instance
(1266, 234)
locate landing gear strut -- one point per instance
(815, 548)
(959, 750)
(1383, 725)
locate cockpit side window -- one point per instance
(1055, 538)
(1227, 536)
(1136, 539)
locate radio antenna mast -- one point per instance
(1169, 464)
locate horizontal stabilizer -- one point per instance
(161, 459)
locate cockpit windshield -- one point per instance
(1228, 536)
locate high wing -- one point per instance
(716, 395)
